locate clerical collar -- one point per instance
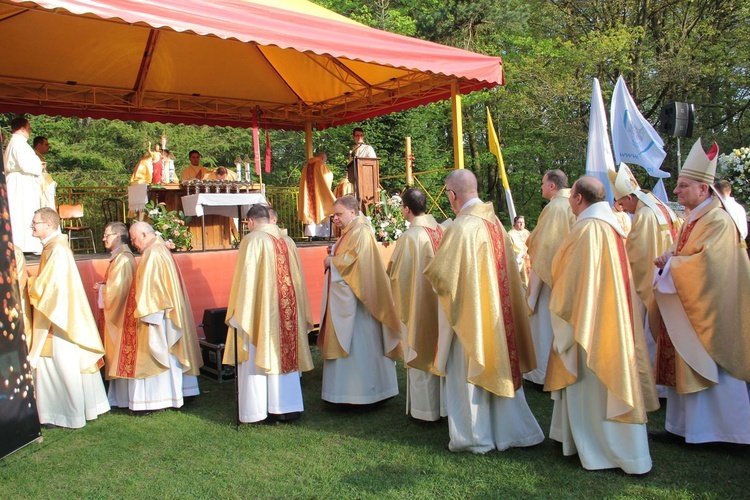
(470, 203)
(603, 212)
(694, 212)
(54, 233)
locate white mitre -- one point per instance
(624, 183)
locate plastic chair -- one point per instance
(113, 210)
(71, 220)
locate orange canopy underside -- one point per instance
(213, 61)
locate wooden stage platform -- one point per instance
(208, 275)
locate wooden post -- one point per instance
(409, 176)
(308, 140)
(458, 129)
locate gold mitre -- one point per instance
(623, 183)
(701, 166)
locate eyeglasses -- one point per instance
(34, 223)
(108, 235)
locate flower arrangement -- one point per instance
(170, 225)
(735, 167)
(386, 218)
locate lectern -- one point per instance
(364, 174)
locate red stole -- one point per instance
(496, 237)
(129, 340)
(287, 300)
(436, 236)
(666, 373)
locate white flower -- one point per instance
(154, 212)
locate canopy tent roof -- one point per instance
(214, 61)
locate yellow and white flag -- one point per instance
(495, 150)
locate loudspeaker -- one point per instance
(214, 326)
(676, 119)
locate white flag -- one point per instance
(660, 191)
(634, 140)
(599, 154)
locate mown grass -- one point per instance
(197, 452)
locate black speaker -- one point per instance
(676, 119)
(214, 326)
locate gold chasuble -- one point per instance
(551, 229)
(61, 307)
(416, 301)
(315, 200)
(593, 292)
(646, 241)
(117, 282)
(158, 287)
(357, 259)
(483, 301)
(268, 304)
(711, 274)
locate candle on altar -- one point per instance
(246, 161)
(238, 165)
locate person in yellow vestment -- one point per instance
(652, 232)
(222, 174)
(703, 295)
(315, 200)
(269, 309)
(359, 327)
(195, 170)
(599, 369)
(474, 274)
(551, 229)
(66, 349)
(418, 307)
(112, 296)
(158, 348)
(519, 235)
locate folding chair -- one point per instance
(71, 220)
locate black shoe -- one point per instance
(51, 426)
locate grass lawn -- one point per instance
(198, 453)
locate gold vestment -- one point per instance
(61, 308)
(117, 282)
(593, 292)
(158, 287)
(357, 259)
(551, 229)
(646, 241)
(416, 301)
(475, 275)
(268, 302)
(711, 274)
(315, 200)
